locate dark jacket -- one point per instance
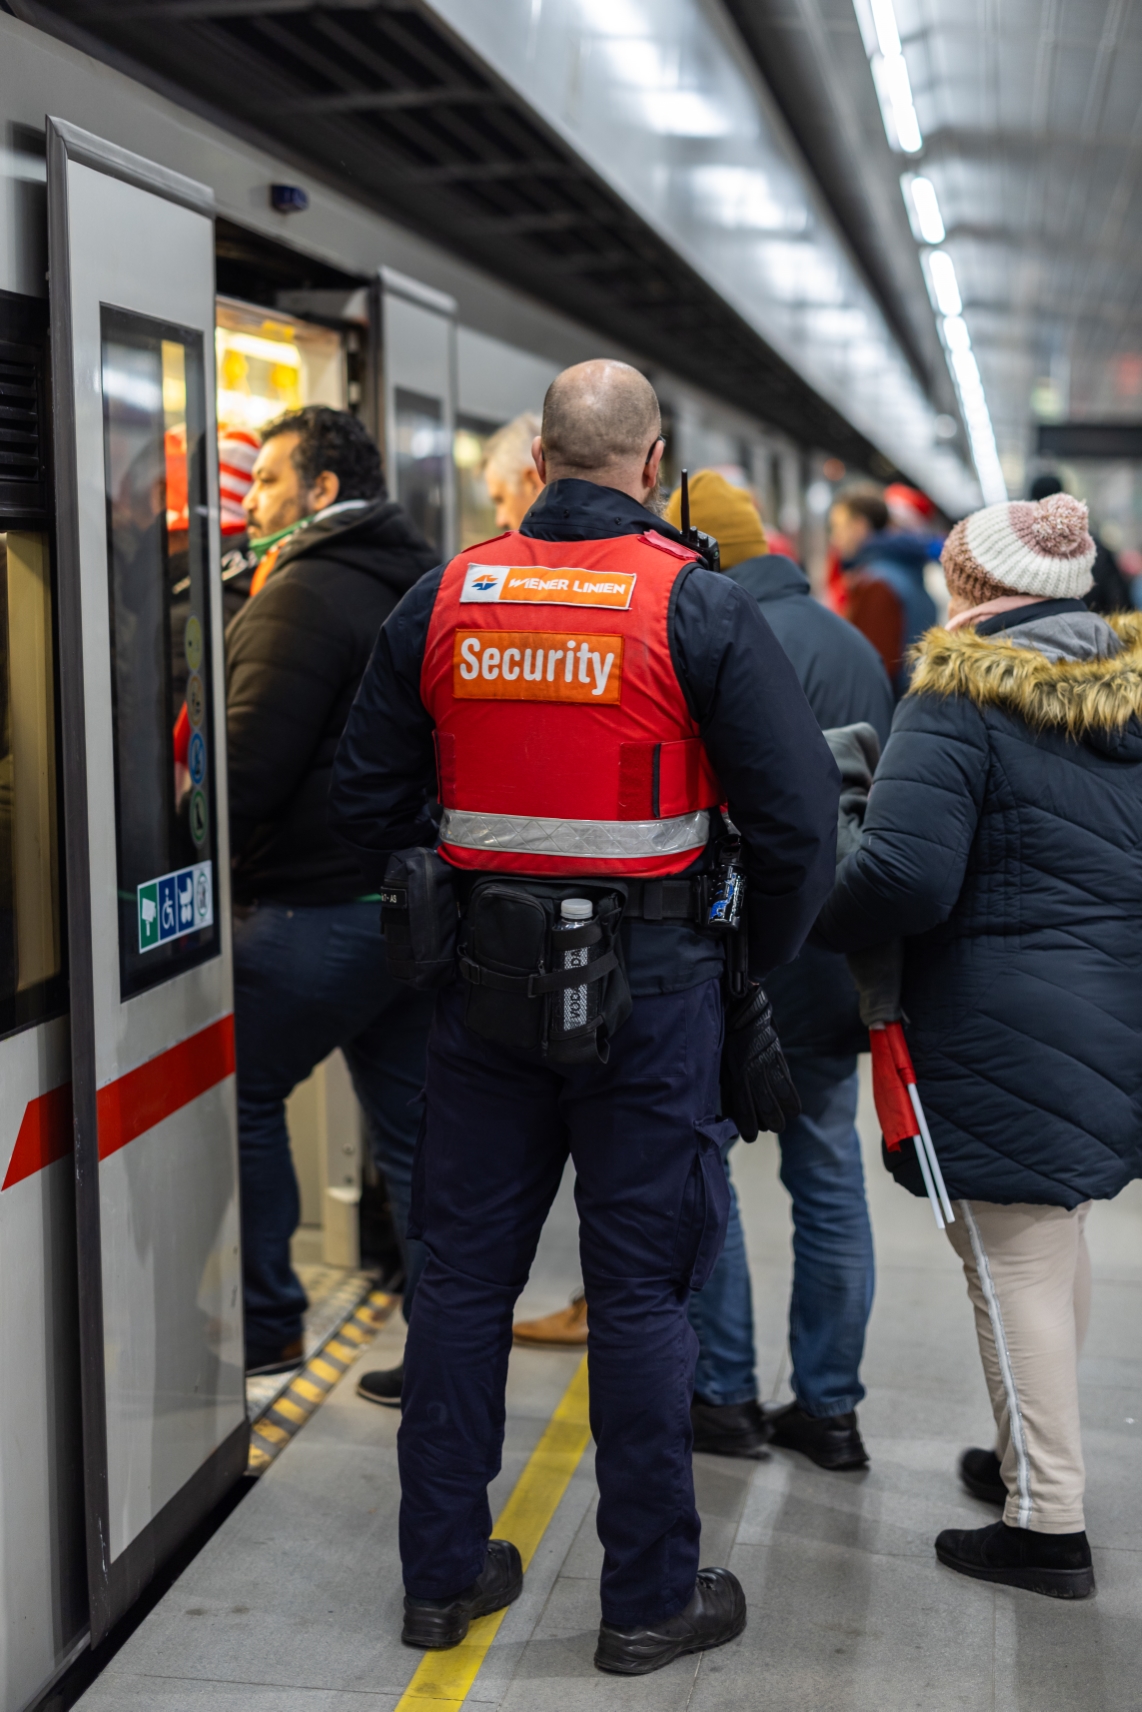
(1004, 839)
(900, 559)
(294, 658)
(814, 999)
(756, 725)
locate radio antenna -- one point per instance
(686, 507)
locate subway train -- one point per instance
(164, 285)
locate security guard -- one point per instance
(580, 697)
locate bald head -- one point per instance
(601, 423)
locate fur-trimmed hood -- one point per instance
(1093, 701)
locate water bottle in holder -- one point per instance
(575, 1001)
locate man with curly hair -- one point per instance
(335, 557)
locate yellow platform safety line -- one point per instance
(442, 1680)
(272, 1430)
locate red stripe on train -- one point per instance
(45, 1135)
(163, 1085)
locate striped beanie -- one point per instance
(237, 449)
(1034, 547)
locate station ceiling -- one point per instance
(1030, 113)
(384, 102)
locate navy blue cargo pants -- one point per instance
(653, 1199)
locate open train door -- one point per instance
(131, 261)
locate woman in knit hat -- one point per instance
(1003, 839)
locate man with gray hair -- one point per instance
(581, 696)
(509, 471)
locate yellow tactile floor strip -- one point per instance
(443, 1679)
(272, 1431)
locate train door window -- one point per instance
(269, 363)
(477, 514)
(154, 413)
(31, 950)
(421, 450)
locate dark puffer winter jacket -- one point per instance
(1004, 839)
(294, 658)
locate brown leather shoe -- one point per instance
(567, 1328)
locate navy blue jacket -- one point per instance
(756, 725)
(1004, 840)
(843, 676)
(899, 559)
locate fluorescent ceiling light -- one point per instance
(943, 283)
(929, 222)
(890, 74)
(956, 335)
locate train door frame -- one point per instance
(417, 340)
(116, 1577)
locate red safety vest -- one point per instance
(563, 740)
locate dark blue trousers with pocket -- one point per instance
(651, 1190)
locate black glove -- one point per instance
(757, 1089)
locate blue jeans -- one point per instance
(833, 1267)
(309, 979)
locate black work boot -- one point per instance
(979, 1471)
(444, 1622)
(831, 1441)
(1056, 1564)
(715, 1614)
(382, 1386)
(730, 1429)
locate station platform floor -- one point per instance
(294, 1605)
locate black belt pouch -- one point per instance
(508, 959)
(420, 918)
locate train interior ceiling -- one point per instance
(848, 241)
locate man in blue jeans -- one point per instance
(815, 1008)
(335, 557)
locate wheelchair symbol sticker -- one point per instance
(196, 758)
(175, 904)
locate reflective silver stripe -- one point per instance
(602, 840)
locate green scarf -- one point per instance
(262, 544)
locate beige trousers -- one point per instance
(1028, 1274)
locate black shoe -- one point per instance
(279, 1358)
(444, 1622)
(383, 1386)
(979, 1471)
(715, 1614)
(730, 1429)
(1056, 1564)
(831, 1441)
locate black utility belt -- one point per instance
(539, 977)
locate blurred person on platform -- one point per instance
(1110, 591)
(815, 1009)
(1001, 841)
(509, 470)
(237, 450)
(883, 570)
(335, 555)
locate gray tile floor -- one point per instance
(294, 1605)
